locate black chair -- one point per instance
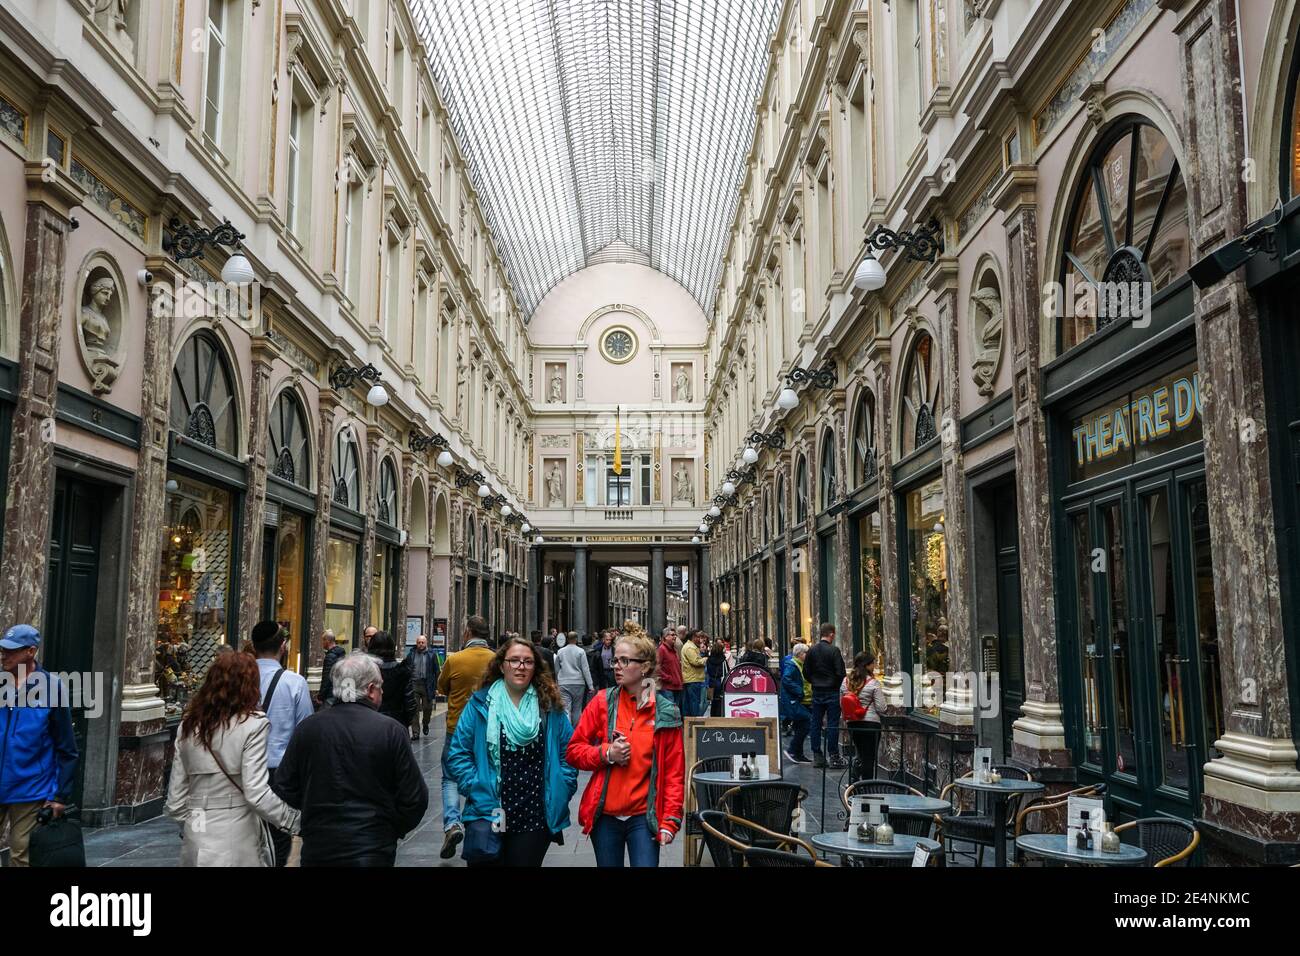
(724, 849)
(729, 838)
(1167, 842)
(865, 735)
(771, 805)
(976, 827)
(760, 857)
(704, 796)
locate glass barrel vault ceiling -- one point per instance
(599, 130)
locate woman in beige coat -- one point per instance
(219, 791)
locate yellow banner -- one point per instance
(618, 441)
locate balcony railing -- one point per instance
(619, 514)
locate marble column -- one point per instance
(263, 353)
(706, 588)
(579, 599)
(842, 575)
(430, 513)
(957, 710)
(328, 402)
(658, 593)
(402, 584)
(1038, 736)
(897, 681)
(142, 738)
(533, 582)
(1251, 802)
(30, 492)
(370, 457)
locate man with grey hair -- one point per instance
(796, 699)
(573, 675)
(351, 772)
(333, 654)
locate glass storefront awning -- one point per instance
(602, 130)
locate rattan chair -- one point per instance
(908, 822)
(728, 837)
(771, 805)
(1041, 805)
(976, 827)
(724, 849)
(760, 857)
(1168, 842)
(711, 792)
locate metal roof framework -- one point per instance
(602, 130)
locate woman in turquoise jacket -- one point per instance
(507, 758)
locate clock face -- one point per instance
(619, 345)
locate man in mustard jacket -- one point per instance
(460, 678)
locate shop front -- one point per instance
(386, 560)
(343, 548)
(288, 522)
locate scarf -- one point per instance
(521, 724)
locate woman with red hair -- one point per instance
(219, 791)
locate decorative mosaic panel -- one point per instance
(13, 121)
(555, 441)
(978, 208)
(101, 195)
(293, 352)
(1100, 51)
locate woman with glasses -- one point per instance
(507, 758)
(630, 737)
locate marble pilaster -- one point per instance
(328, 402)
(263, 353)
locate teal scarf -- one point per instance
(521, 724)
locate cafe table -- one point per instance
(846, 844)
(1000, 792)
(1057, 846)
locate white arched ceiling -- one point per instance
(603, 130)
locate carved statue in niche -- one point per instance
(113, 18)
(682, 385)
(986, 310)
(462, 385)
(683, 492)
(555, 390)
(555, 487)
(99, 331)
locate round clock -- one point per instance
(618, 344)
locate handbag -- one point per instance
(57, 842)
(266, 837)
(482, 843)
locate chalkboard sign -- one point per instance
(718, 741)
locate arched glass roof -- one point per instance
(599, 130)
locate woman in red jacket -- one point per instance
(630, 736)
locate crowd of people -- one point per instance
(260, 759)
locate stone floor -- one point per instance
(156, 842)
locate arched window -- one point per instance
(1291, 144)
(203, 395)
(766, 519)
(287, 453)
(471, 541)
(864, 438)
(801, 491)
(388, 493)
(345, 470)
(1128, 226)
(922, 395)
(780, 505)
(826, 474)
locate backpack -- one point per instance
(850, 707)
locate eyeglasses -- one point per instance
(625, 661)
(522, 663)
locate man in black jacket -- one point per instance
(351, 772)
(823, 668)
(333, 654)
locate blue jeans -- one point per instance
(450, 794)
(610, 835)
(693, 699)
(799, 718)
(826, 704)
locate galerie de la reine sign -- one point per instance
(1156, 418)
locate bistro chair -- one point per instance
(908, 822)
(1167, 842)
(709, 791)
(976, 826)
(728, 837)
(760, 857)
(771, 805)
(1043, 805)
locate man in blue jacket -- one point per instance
(38, 750)
(794, 702)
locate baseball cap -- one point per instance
(19, 636)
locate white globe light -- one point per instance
(237, 270)
(695, 539)
(750, 456)
(538, 540)
(728, 488)
(484, 491)
(378, 395)
(505, 511)
(870, 274)
(444, 458)
(704, 528)
(715, 511)
(526, 527)
(787, 399)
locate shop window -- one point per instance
(387, 511)
(341, 588)
(830, 592)
(618, 487)
(194, 587)
(1291, 159)
(873, 604)
(345, 470)
(290, 577)
(780, 505)
(927, 583)
(203, 406)
(922, 390)
(801, 491)
(1128, 233)
(290, 439)
(864, 439)
(826, 474)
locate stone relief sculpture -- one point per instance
(683, 492)
(555, 487)
(462, 384)
(986, 311)
(116, 25)
(681, 385)
(99, 331)
(555, 391)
